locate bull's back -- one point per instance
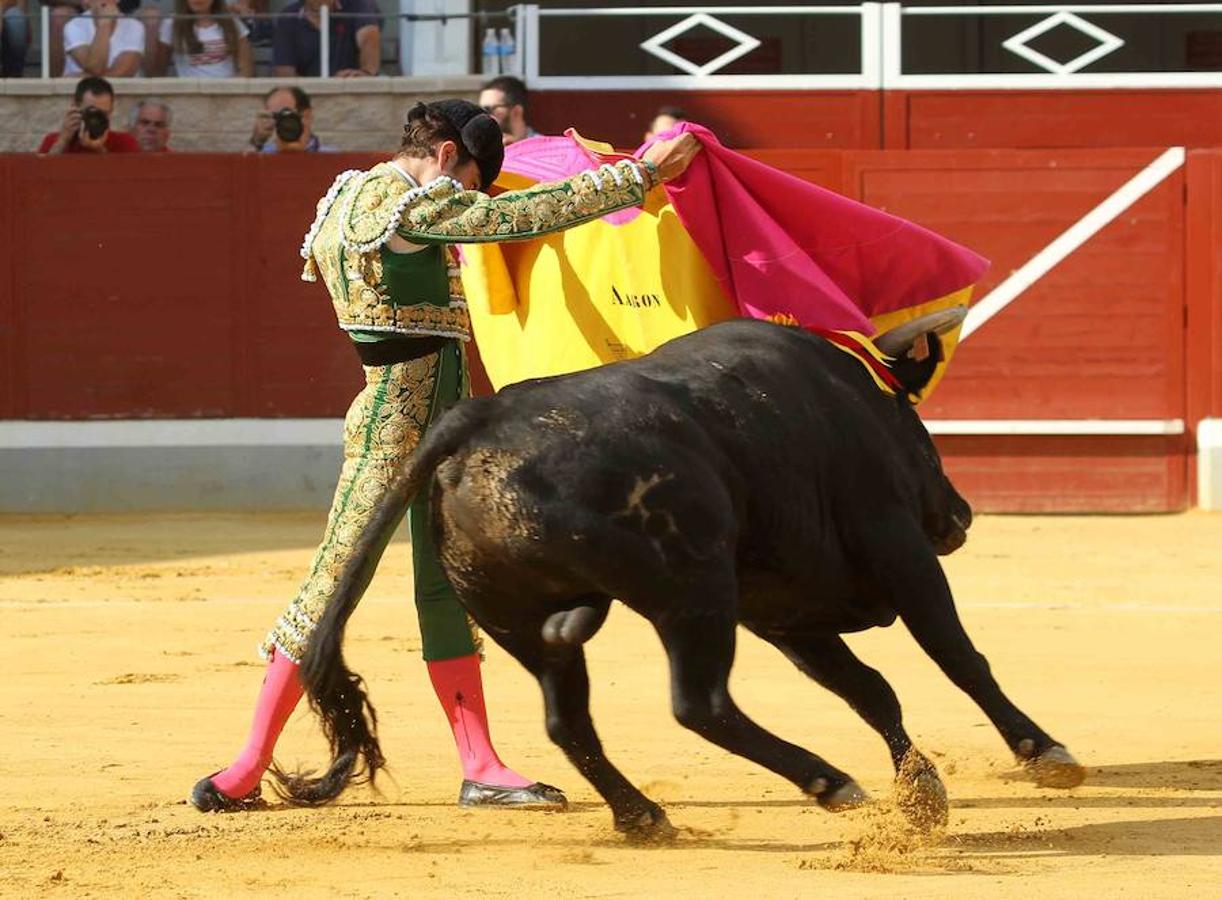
(773, 413)
(773, 407)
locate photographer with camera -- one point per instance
(284, 124)
(105, 40)
(86, 126)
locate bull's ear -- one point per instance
(914, 368)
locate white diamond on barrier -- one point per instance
(745, 44)
(1108, 43)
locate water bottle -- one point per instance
(491, 49)
(508, 52)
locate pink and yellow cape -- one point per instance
(731, 237)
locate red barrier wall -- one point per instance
(766, 119)
(902, 120)
(1204, 275)
(1203, 272)
(168, 287)
(1100, 337)
(949, 120)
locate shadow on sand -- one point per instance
(1199, 836)
(1182, 775)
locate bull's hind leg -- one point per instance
(828, 660)
(917, 587)
(562, 676)
(701, 651)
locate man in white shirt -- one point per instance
(102, 42)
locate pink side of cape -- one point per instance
(780, 245)
(555, 158)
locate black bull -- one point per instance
(748, 474)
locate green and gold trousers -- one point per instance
(382, 427)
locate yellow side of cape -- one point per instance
(587, 296)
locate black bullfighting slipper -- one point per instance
(207, 797)
(533, 796)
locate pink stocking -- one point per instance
(278, 697)
(461, 692)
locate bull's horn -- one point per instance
(897, 341)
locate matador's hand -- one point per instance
(672, 157)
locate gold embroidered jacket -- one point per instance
(375, 291)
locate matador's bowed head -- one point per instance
(481, 136)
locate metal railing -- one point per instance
(887, 36)
(1094, 67)
(868, 46)
(325, 16)
(706, 75)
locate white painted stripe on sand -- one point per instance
(1092, 607)
(1069, 241)
(1056, 426)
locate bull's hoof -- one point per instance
(920, 794)
(1056, 768)
(647, 827)
(849, 795)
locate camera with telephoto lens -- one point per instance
(289, 126)
(95, 122)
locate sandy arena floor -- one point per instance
(129, 672)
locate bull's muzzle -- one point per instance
(954, 532)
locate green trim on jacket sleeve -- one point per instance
(470, 217)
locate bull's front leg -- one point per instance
(566, 694)
(700, 649)
(909, 571)
(827, 659)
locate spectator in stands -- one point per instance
(14, 37)
(151, 125)
(62, 11)
(104, 42)
(86, 127)
(261, 30)
(356, 43)
(666, 118)
(284, 125)
(150, 20)
(214, 46)
(505, 99)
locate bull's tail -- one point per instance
(337, 694)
